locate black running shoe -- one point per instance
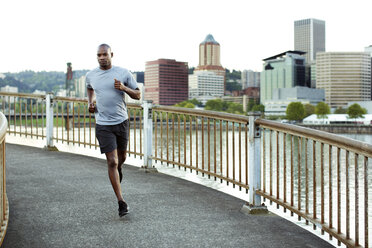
(120, 174)
(123, 208)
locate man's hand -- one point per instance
(92, 107)
(119, 85)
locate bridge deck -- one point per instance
(64, 200)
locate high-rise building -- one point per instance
(166, 81)
(250, 79)
(285, 70)
(309, 37)
(205, 85)
(368, 49)
(209, 57)
(80, 88)
(345, 77)
(139, 76)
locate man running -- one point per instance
(107, 85)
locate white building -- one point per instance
(368, 49)
(205, 85)
(345, 77)
(61, 92)
(8, 88)
(337, 119)
(282, 97)
(11, 89)
(250, 79)
(39, 92)
(80, 87)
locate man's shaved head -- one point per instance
(104, 45)
(104, 56)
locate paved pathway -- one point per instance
(64, 200)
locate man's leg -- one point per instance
(112, 163)
(122, 155)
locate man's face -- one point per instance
(104, 56)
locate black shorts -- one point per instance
(111, 137)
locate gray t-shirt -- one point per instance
(111, 108)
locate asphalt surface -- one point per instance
(65, 200)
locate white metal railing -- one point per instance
(318, 176)
(4, 206)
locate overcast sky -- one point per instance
(46, 34)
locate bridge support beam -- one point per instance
(254, 167)
(147, 127)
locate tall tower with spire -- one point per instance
(209, 57)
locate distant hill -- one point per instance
(29, 81)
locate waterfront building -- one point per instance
(309, 37)
(345, 77)
(250, 79)
(166, 81)
(285, 70)
(337, 119)
(282, 97)
(205, 85)
(209, 57)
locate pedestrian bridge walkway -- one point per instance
(59, 199)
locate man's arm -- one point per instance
(134, 94)
(91, 106)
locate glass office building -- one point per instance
(309, 37)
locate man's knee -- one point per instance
(112, 163)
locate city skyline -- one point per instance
(45, 35)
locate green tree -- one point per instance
(322, 110)
(215, 104)
(189, 105)
(309, 109)
(222, 106)
(259, 108)
(250, 104)
(355, 111)
(340, 110)
(235, 108)
(295, 111)
(195, 102)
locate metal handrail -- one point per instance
(290, 152)
(4, 205)
(325, 137)
(216, 144)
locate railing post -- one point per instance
(147, 126)
(49, 122)
(254, 166)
